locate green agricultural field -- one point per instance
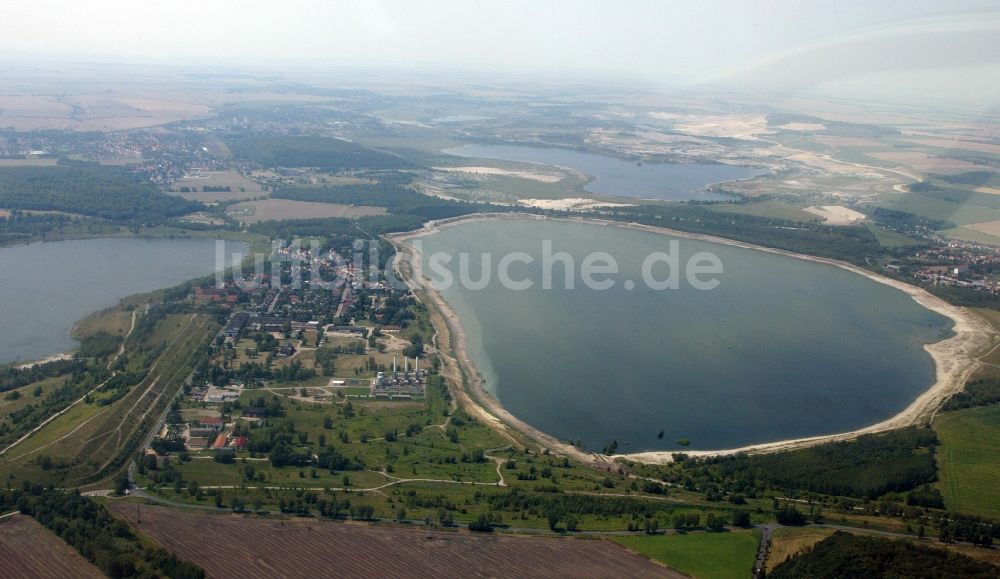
(891, 239)
(967, 458)
(702, 555)
(571, 185)
(972, 209)
(971, 235)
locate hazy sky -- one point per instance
(942, 49)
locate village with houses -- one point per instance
(952, 263)
(295, 343)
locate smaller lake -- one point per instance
(47, 287)
(668, 182)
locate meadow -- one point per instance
(727, 555)
(968, 460)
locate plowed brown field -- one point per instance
(243, 547)
(29, 550)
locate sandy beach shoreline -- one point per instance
(954, 358)
(46, 360)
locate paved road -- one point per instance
(765, 542)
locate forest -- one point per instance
(982, 392)
(309, 151)
(855, 245)
(390, 191)
(106, 192)
(868, 467)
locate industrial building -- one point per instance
(405, 384)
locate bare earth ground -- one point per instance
(248, 547)
(955, 358)
(540, 176)
(29, 550)
(801, 127)
(568, 203)
(279, 209)
(746, 126)
(836, 214)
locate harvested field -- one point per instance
(27, 549)
(30, 162)
(788, 542)
(925, 163)
(283, 209)
(95, 112)
(240, 187)
(989, 227)
(976, 146)
(307, 548)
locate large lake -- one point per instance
(782, 348)
(671, 182)
(47, 287)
